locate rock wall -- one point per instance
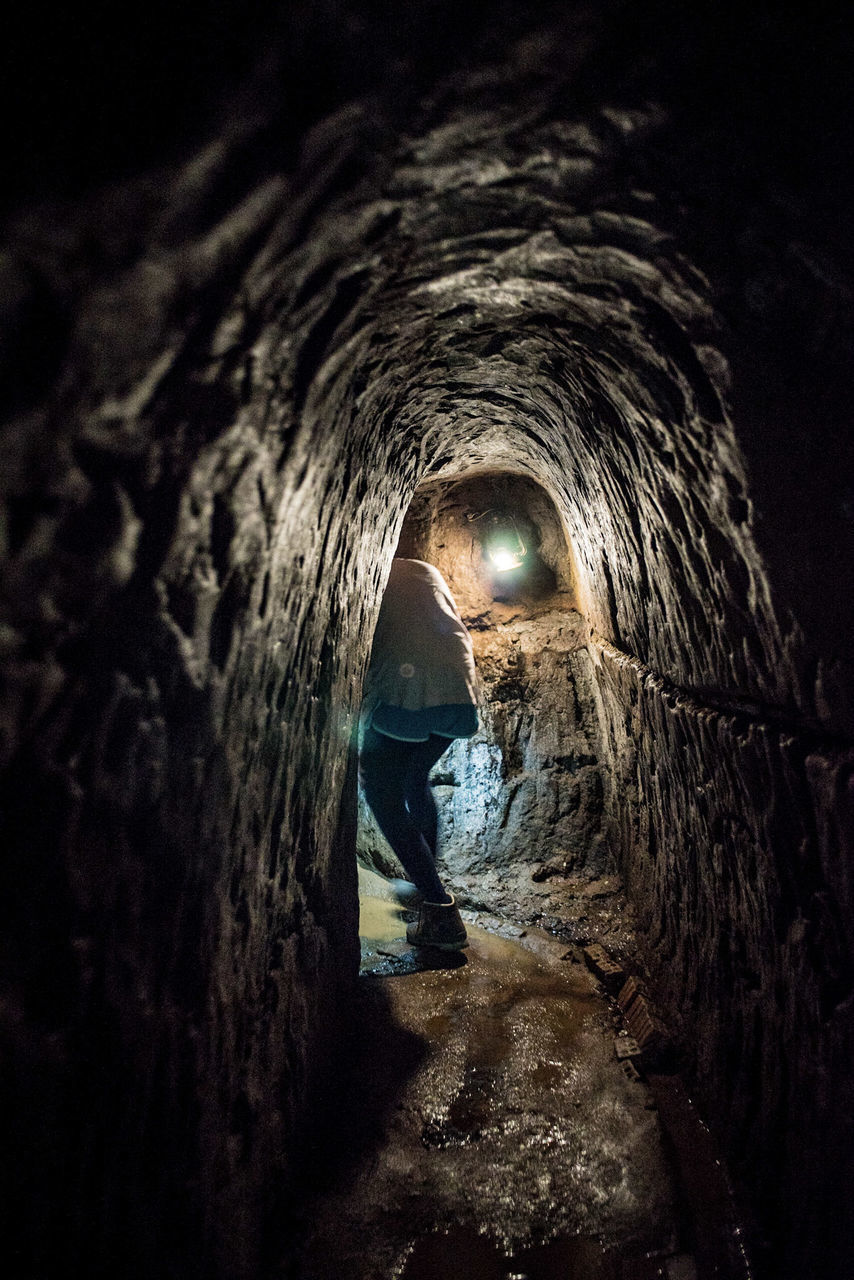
(566, 252)
(169, 969)
(743, 828)
(179, 921)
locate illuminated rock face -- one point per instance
(219, 422)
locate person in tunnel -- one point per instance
(420, 693)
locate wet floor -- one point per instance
(492, 1130)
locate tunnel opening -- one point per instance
(523, 828)
(525, 1131)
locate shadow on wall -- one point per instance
(527, 791)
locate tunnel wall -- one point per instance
(227, 378)
(736, 837)
(178, 888)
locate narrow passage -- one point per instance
(513, 1141)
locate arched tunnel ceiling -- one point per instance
(540, 260)
(503, 295)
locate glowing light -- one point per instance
(500, 539)
(503, 559)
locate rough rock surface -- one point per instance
(568, 252)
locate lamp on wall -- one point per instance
(503, 545)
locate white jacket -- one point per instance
(422, 654)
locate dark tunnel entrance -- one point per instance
(522, 804)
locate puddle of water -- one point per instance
(575, 1259)
(549, 1074)
(516, 1120)
(474, 1106)
(456, 1253)
(380, 915)
(462, 1252)
(380, 921)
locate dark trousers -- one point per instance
(394, 779)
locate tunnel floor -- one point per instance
(489, 1129)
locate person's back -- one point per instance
(420, 693)
(422, 655)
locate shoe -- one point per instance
(406, 893)
(438, 925)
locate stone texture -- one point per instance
(574, 253)
(730, 826)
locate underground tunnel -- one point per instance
(286, 291)
(537, 752)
